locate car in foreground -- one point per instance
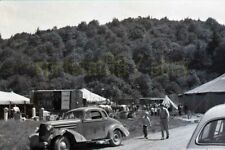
(210, 132)
(81, 125)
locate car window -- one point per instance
(95, 115)
(73, 115)
(104, 114)
(213, 133)
(88, 115)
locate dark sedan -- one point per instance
(86, 124)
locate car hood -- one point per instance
(61, 123)
(115, 121)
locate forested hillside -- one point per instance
(134, 57)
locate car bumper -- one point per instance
(35, 143)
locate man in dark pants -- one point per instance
(164, 118)
(146, 122)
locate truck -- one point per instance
(57, 100)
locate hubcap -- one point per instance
(63, 145)
(116, 137)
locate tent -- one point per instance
(167, 102)
(205, 96)
(91, 97)
(214, 86)
(7, 98)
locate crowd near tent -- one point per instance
(150, 100)
(92, 97)
(7, 98)
(201, 98)
(158, 100)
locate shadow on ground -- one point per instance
(150, 139)
(91, 146)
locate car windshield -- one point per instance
(73, 115)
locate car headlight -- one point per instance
(36, 130)
(49, 127)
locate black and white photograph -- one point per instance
(112, 75)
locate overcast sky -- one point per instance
(28, 15)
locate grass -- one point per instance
(14, 134)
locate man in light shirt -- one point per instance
(164, 118)
(16, 112)
(16, 108)
(146, 123)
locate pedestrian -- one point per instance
(164, 118)
(185, 109)
(146, 123)
(16, 112)
(189, 114)
(179, 109)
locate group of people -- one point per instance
(163, 117)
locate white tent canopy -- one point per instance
(167, 102)
(91, 97)
(7, 98)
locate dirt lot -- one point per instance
(14, 134)
(135, 125)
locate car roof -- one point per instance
(215, 112)
(86, 108)
(212, 114)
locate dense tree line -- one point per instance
(134, 57)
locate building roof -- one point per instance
(214, 86)
(152, 98)
(56, 90)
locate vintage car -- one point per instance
(210, 132)
(85, 124)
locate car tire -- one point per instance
(116, 138)
(62, 143)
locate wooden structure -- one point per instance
(57, 100)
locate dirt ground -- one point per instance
(179, 138)
(14, 134)
(135, 125)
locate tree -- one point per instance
(214, 43)
(219, 58)
(144, 84)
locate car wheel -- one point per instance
(116, 138)
(62, 143)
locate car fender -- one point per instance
(34, 141)
(120, 127)
(77, 136)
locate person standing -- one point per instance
(146, 123)
(16, 112)
(179, 109)
(164, 118)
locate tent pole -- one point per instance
(24, 108)
(10, 110)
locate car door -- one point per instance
(94, 125)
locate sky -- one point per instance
(19, 16)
